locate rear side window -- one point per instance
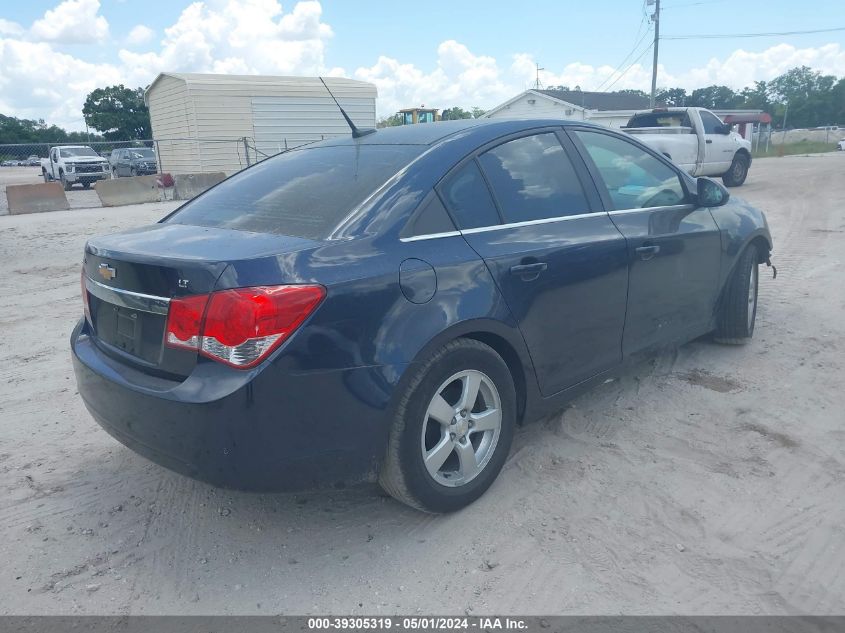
(533, 179)
(466, 195)
(633, 177)
(303, 193)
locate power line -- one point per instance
(624, 61)
(633, 63)
(634, 48)
(720, 36)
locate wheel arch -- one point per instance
(504, 349)
(504, 339)
(757, 240)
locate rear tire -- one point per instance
(738, 172)
(44, 174)
(452, 429)
(739, 303)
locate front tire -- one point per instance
(738, 172)
(739, 303)
(452, 429)
(65, 184)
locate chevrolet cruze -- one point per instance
(392, 306)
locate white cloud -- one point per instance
(40, 79)
(37, 81)
(243, 36)
(140, 34)
(72, 22)
(10, 28)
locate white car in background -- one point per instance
(841, 145)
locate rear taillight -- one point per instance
(85, 305)
(240, 327)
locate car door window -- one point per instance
(633, 177)
(466, 195)
(533, 179)
(710, 122)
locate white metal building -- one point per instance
(612, 109)
(209, 123)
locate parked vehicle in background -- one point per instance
(398, 303)
(841, 145)
(71, 164)
(696, 140)
(134, 161)
(33, 161)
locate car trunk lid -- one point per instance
(130, 284)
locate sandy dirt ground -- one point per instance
(710, 480)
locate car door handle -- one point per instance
(526, 270)
(709, 141)
(647, 252)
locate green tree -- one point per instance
(756, 97)
(672, 97)
(631, 91)
(118, 112)
(809, 97)
(455, 113)
(14, 130)
(713, 98)
(390, 121)
(477, 112)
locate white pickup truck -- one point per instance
(696, 140)
(71, 164)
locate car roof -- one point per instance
(433, 133)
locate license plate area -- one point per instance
(128, 331)
(129, 322)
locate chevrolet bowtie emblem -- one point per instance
(107, 272)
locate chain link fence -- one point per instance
(172, 155)
(30, 163)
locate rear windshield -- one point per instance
(660, 119)
(302, 193)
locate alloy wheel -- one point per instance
(461, 428)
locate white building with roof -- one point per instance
(612, 109)
(206, 122)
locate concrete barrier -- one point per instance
(45, 196)
(135, 190)
(186, 186)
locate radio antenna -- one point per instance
(356, 133)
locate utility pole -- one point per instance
(656, 18)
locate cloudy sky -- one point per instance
(466, 52)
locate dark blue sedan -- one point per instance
(393, 306)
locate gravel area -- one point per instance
(709, 480)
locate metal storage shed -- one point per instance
(205, 123)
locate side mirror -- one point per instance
(710, 193)
(725, 129)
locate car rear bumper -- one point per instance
(265, 430)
